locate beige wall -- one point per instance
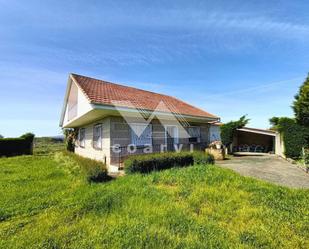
(117, 131)
(279, 146)
(97, 154)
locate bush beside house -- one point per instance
(70, 137)
(295, 131)
(161, 161)
(22, 145)
(91, 170)
(294, 136)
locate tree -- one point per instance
(274, 122)
(1, 136)
(228, 130)
(301, 104)
(70, 137)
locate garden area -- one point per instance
(49, 201)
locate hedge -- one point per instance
(160, 161)
(93, 170)
(17, 146)
(295, 136)
(200, 157)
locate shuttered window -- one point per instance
(97, 136)
(141, 134)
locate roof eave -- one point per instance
(151, 112)
(67, 92)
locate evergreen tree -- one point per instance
(301, 104)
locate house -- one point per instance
(114, 121)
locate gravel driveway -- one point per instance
(269, 168)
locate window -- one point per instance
(141, 134)
(194, 134)
(171, 135)
(97, 136)
(81, 137)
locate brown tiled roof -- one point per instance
(103, 92)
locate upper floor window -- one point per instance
(141, 134)
(195, 134)
(97, 136)
(82, 137)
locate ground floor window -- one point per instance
(97, 136)
(82, 137)
(141, 134)
(194, 134)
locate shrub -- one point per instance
(93, 170)
(17, 146)
(200, 157)
(70, 138)
(295, 136)
(157, 161)
(228, 129)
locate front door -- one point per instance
(171, 137)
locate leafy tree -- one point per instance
(1, 136)
(274, 122)
(228, 130)
(301, 104)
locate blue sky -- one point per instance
(227, 57)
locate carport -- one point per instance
(254, 140)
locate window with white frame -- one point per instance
(82, 137)
(194, 134)
(97, 136)
(141, 134)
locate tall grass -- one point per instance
(47, 145)
(44, 205)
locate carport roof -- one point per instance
(258, 131)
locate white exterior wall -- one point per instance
(279, 146)
(77, 104)
(90, 152)
(83, 105)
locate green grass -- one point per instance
(45, 203)
(47, 145)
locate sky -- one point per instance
(229, 58)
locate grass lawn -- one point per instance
(45, 203)
(47, 145)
